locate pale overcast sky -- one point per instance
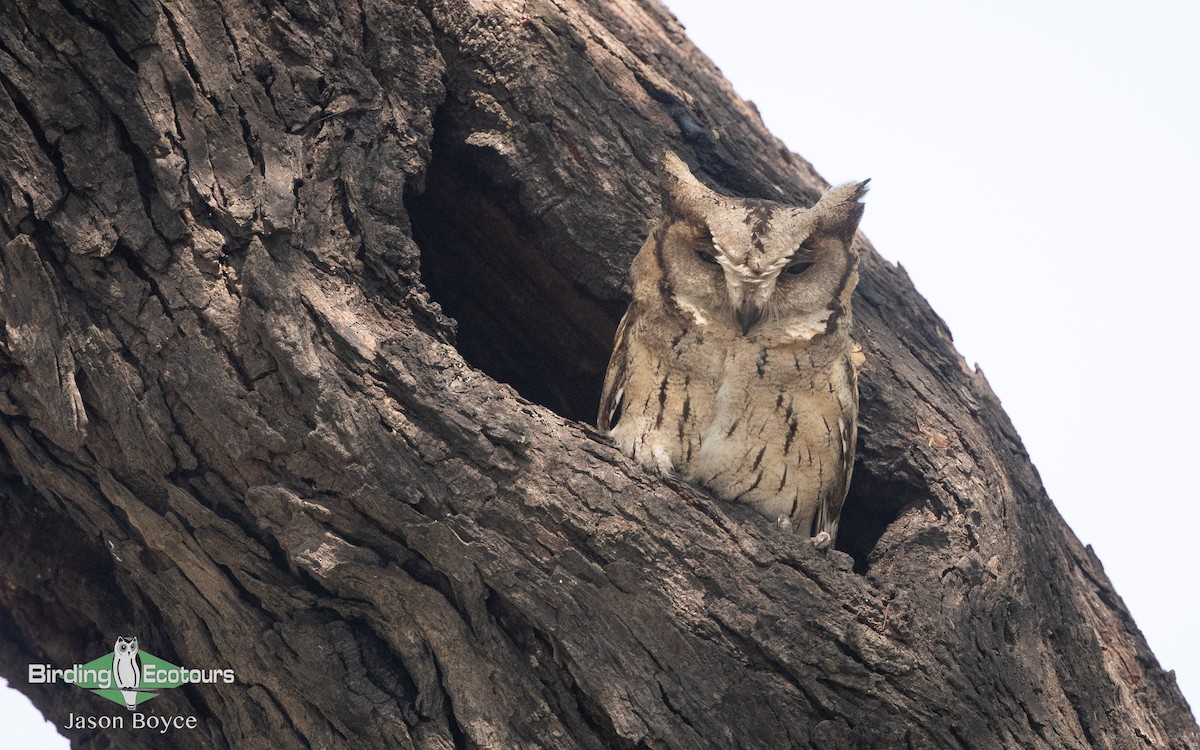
(1034, 168)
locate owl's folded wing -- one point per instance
(612, 397)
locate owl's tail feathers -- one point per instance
(130, 699)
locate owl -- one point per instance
(733, 366)
(126, 674)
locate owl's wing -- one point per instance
(613, 396)
(829, 513)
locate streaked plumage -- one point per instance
(733, 365)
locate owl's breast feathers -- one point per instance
(768, 424)
(782, 435)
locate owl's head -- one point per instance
(757, 266)
(125, 646)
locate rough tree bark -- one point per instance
(238, 424)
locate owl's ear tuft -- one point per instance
(841, 209)
(682, 193)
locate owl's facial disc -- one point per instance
(748, 291)
(751, 277)
(748, 288)
(777, 263)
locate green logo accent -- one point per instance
(128, 676)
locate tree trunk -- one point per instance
(238, 424)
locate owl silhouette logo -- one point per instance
(129, 676)
(126, 669)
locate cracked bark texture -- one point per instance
(240, 423)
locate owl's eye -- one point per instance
(707, 257)
(798, 267)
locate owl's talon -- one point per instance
(822, 540)
(662, 462)
(785, 522)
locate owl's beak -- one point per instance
(747, 314)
